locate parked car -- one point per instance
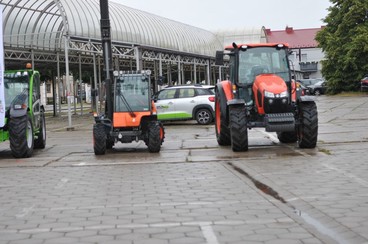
(364, 83)
(318, 88)
(309, 82)
(186, 102)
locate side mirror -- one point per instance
(219, 58)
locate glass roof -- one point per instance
(39, 24)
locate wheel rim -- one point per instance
(29, 134)
(203, 117)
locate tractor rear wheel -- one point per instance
(221, 122)
(155, 137)
(40, 142)
(21, 136)
(238, 129)
(287, 137)
(308, 127)
(99, 139)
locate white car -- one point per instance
(186, 102)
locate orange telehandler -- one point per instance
(130, 114)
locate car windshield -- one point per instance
(319, 83)
(16, 87)
(262, 60)
(132, 93)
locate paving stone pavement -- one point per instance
(148, 203)
(193, 191)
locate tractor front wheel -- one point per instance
(21, 136)
(155, 137)
(99, 139)
(308, 125)
(221, 122)
(40, 142)
(238, 129)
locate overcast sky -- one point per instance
(237, 14)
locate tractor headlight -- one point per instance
(284, 94)
(269, 94)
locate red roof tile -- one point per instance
(302, 38)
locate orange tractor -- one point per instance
(260, 92)
(130, 114)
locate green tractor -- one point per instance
(23, 121)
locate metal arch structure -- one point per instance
(68, 32)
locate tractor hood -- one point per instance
(270, 83)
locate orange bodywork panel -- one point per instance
(293, 90)
(153, 106)
(227, 88)
(126, 119)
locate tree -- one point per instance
(344, 41)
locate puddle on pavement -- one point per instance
(306, 217)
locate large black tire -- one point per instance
(109, 143)
(287, 137)
(155, 137)
(238, 129)
(221, 121)
(203, 116)
(21, 136)
(40, 142)
(308, 127)
(99, 139)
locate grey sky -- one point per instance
(237, 14)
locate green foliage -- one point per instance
(345, 43)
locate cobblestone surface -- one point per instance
(193, 191)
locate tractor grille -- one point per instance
(276, 105)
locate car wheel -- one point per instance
(203, 116)
(317, 92)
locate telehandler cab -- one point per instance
(260, 92)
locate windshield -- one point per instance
(262, 60)
(16, 87)
(132, 93)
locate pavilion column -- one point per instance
(208, 75)
(60, 92)
(195, 73)
(179, 73)
(138, 58)
(67, 81)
